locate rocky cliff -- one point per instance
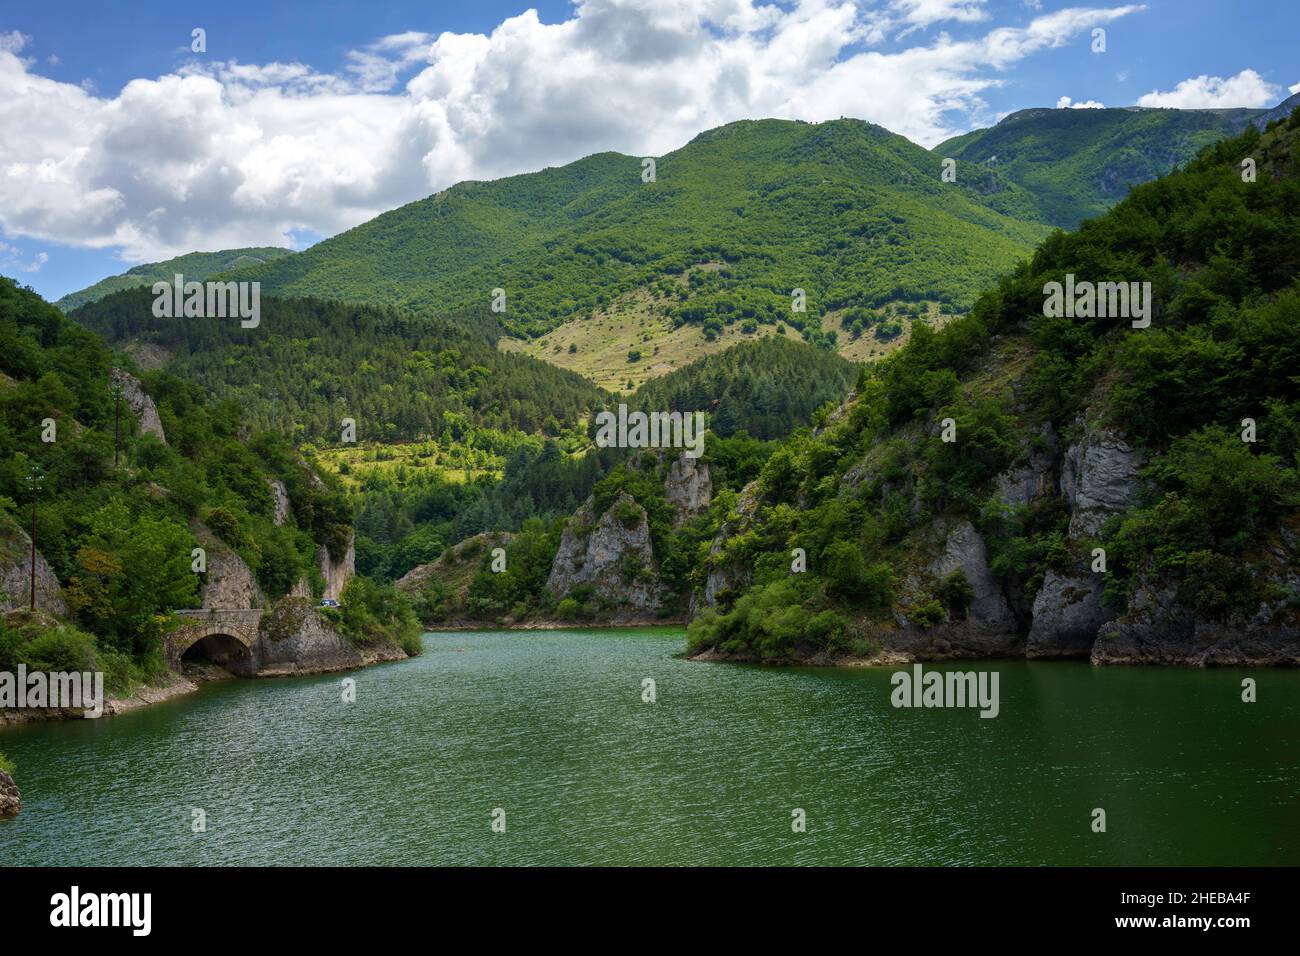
(229, 583)
(140, 404)
(296, 638)
(15, 573)
(610, 555)
(1099, 478)
(338, 573)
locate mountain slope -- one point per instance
(309, 364)
(195, 266)
(1077, 163)
(847, 211)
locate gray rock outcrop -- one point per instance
(964, 551)
(281, 496)
(141, 405)
(15, 575)
(611, 554)
(338, 573)
(229, 583)
(728, 577)
(10, 799)
(688, 488)
(1100, 477)
(296, 638)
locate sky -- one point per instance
(124, 139)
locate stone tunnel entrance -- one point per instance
(218, 651)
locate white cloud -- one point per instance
(1246, 89)
(1294, 89)
(1065, 103)
(11, 257)
(222, 154)
(13, 41)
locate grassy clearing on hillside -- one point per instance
(598, 348)
(455, 463)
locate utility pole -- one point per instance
(34, 479)
(117, 421)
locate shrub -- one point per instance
(926, 614)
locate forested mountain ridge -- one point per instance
(311, 363)
(195, 266)
(1076, 163)
(845, 210)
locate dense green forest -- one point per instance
(766, 388)
(119, 538)
(848, 212)
(195, 266)
(1223, 257)
(310, 363)
(1073, 164)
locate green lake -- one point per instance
(550, 727)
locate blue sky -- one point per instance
(119, 144)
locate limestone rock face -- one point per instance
(1067, 613)
(964, 550)
(1099, 477)
(281, 495)
(688, 488)
(1026, 484)
(337, 574)
(15, 575)
(611, 555)
(229, 583)
(141, 405)
(10, 800)
(296, 638)
(725, 578)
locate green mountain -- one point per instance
(732, 223)
(1076, 163)
(195, 266)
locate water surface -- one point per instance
(551, 727)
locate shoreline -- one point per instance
(178, 685)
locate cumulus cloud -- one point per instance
(1065, 103)
(222, 154)
(1246, 89)
(1294, 89)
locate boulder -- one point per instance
(10, 799)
